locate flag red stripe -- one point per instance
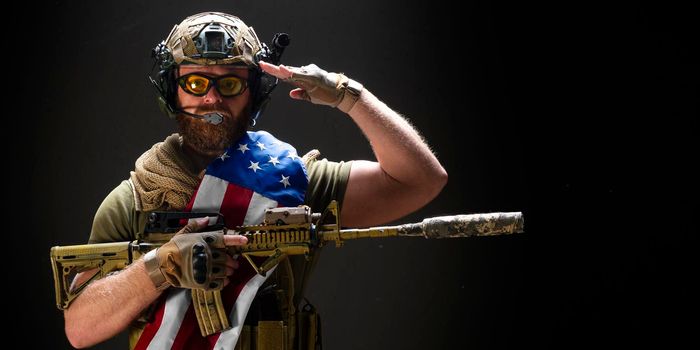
(189, 336)
(235, 198)
(194, 195)
(150, 330)
(189, 205)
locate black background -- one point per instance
(582, 116)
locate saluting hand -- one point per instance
(316, 85)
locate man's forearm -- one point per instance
(400, 150)
(108, 305)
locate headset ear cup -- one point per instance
(258, 110)
(262, 90)
(254, 82)
(163, 105)
(166, 88)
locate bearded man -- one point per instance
(214, 81)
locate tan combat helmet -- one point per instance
(212, 38)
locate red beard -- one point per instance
(208, 139)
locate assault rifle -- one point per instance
(285, 231)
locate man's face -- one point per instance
(205, 138)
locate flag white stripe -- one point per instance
(210, 196)
(256, 209)
(229, 337)
(175, 308)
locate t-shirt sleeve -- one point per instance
(112, 222)
(327, 181)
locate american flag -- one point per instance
(256, 173)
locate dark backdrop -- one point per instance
(581, 116)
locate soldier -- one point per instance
(214, 79)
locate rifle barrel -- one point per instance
(489, 224)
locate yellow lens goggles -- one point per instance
(199, 84)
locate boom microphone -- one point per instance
(212, 118)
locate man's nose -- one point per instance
(212, 96)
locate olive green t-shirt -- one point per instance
(117, 219)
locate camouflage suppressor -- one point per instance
(285, 231)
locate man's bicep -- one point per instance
(373, 197)
(327, 182)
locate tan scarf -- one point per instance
(162, 178)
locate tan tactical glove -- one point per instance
(194, 260)
(321, 87)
